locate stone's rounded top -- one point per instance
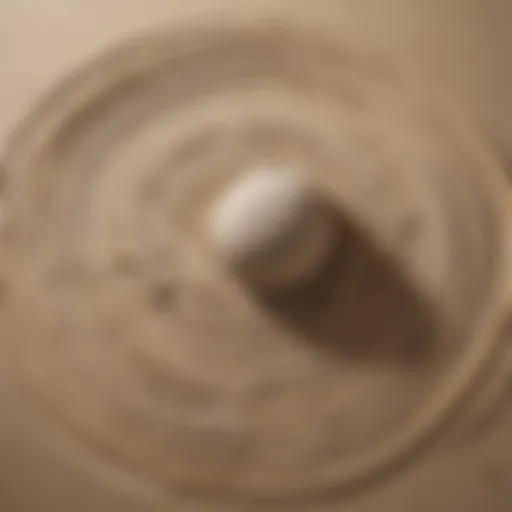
(264, 224)
(259, 211)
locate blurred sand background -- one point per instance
(465, 45)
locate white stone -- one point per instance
(270, 225)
